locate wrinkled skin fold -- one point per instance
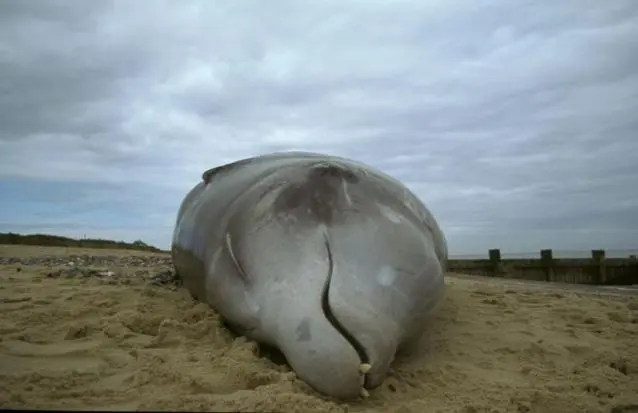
(330, 261)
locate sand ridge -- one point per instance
(120, 343)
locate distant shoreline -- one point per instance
(47, 240)
(10, 238)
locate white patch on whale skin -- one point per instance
(251, 302)
(386, 276)
(387, 212)
(229, 245)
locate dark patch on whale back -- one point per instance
(320, 193)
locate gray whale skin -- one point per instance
(330, 261)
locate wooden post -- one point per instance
(547, 260)
(598, 257)
(495, 262)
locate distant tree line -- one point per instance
(59, 241)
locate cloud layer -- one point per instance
(515, 122)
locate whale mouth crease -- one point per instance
(325, 306)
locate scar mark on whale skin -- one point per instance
(240, 269)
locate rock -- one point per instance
(166, 277)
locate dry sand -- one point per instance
(92, 343)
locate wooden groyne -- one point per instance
(596, 270)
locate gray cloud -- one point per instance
(515, 122)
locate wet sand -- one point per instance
(120, 343)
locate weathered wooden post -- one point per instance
(547, 261)
(495, 262)
(598, 257)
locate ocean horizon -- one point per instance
(537, 254)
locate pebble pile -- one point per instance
(157, 270)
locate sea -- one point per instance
(556, 254)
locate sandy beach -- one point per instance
(111, 340)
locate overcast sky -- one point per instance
(515, 121)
